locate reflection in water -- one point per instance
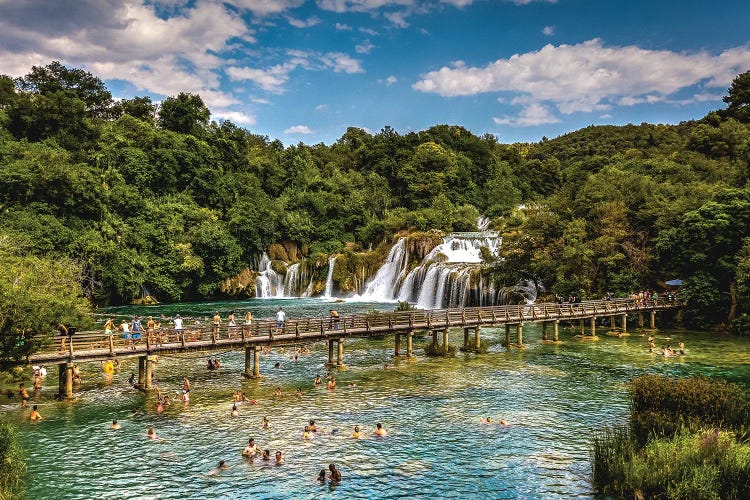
(554, 397)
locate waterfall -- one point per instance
(384, 286)
(292, 281)
(268, 283)
(329, 278)
(443, 278)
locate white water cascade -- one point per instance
(268, 283)
(443, 278)
(329, 279)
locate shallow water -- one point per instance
(555, 397)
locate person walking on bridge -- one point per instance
(280, 320)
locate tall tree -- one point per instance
(185, 114)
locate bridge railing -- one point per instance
(375, 322)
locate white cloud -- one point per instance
(341, 6)
(590, 76)
(235, 116)
(298, 129)
(548, 30)
(343, 27)
(271, 79)
(398, 18)
(364, 47)
(124, 40)
(266, 7)
(368, 31)
(532, 115)
(304, 23)
(342, 63)
(321, 107)
(390, 80)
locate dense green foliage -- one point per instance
(164, 201)
(12, 462)
(687, 438)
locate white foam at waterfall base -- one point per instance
(268, 283)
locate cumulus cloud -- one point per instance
(532, 115)
(274, 78)
(342, 63)
(390, 80)
(321, 107)
(266, 7)
(125, 40)
(342, 6)
(298, 129)
(343, 27)
(304, 23)
(364, 47)
(590, 76)
(235, 116)
(368, 31)
(548, 30)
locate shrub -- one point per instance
(661, 406)
(12, 462)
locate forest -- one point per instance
(126, 196)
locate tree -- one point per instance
(184, 114)
(35, 295)
(137, 107)
(738, 98)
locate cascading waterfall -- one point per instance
(384, 286)
(329, 279)
(268, 283)
(442, 279)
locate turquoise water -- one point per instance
(554, 396)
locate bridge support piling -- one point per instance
(478, 338)
(466, 339)
(652, 320)
(640, 319)
(519, 334)
(434, 340)
(150, 362)
(555, 330)
(340, 357)
(507, 335)
(583, 329)
(252, 362)
(544, 330)
(330, 352)
(624, 322)
(397, 346)
(612, 324)
(141, 371)
(593, 326)
(445, 341)
(409, 345)
(65, 380)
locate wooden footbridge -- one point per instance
(95, 346)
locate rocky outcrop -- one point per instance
(241, 285)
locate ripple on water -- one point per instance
(554, 396)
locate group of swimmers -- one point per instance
(666, 351)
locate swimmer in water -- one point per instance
(299, 392)
(487, 420)
(222, 466)
(318, 380)
(335, 476)
(251, 450)
(356, 434)
(322, 476)
(277, 392)
(313, 427)
(265, 424)
(235, 412)
(379, 431)
(266, 455)
(151, 434)
(34, 415)
(115, 425)
(279, 459)
(503, 423)
(331, 383)
(307, 435)
(681, 347)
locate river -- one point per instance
(554, 396)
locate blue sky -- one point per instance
(304, 70)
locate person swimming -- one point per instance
(279, 459)
(266, 455)
(335, 476)
(115, 425)
(235, 412)
(251, 450)
(356, 434)
(313, 427)
(379, 430)
(34, 414)
(151, 434)
(322, 476)
(266, 423)
(318, 380)
(331, 383)
(307, 435)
